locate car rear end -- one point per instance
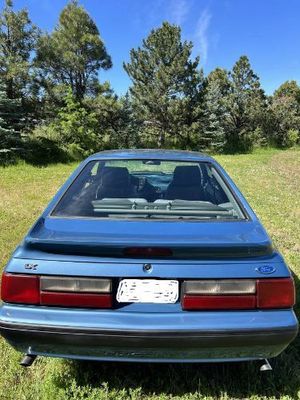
(224, 310)
(142, 289)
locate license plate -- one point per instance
(147, 291)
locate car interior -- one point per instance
(185, 183)
(188, 182)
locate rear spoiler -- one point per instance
(123, 250)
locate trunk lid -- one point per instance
(109, 238)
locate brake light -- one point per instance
(147, 252)
(238, 294)
(56, 291)
(76, 300)
(18, 288)
(218, 302)
(276, 293)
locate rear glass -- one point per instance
(147, 189)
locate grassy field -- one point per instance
(270, 180)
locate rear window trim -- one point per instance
(246, 215)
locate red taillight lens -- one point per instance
(147, 252)
(76, 300)
(218, 302)
(18, 288)
(275, 293)
(56, 291)
(238, 294)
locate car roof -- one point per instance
(151, 154)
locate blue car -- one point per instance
(148, 255)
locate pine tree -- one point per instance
(213, 135)
(73, 54)
(76, 128)
(17, 39)
(165, 89)
(10, 139)
(288, 89)
(128, 135)
(284, 118)
(244, 104)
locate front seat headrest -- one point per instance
(186, 175)
(114, 176)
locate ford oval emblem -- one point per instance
(266, 269)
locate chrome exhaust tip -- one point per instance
(28, 360)
(266, 366)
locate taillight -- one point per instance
(76, 292)
(219, 294)
(218, 302)
(228, 294)
(276, 293)
(76, 300)
(220, 287)
(56, 291)
(75, 284)
(18, 288)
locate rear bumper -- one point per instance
(184, 337)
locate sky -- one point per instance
(267, 31)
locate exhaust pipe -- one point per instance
(266, 366)
(28, 360)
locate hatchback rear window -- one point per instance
(155, 189)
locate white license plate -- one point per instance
(147, 291)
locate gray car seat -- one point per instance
(186, 184)
(114, 182)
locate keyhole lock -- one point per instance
(147, 268)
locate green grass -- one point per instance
(270, 180)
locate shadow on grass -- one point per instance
(236, 380)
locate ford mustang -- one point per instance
(148, 255)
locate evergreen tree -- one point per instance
(17, 40)
(290, 89)
(116, 124)
(244, 105)
(107, 109)
(213, 135)
(221, 77)
(129, 132)
(284, 115)
(73, 54)
(166, 86)
(10, 139)
(75, 127)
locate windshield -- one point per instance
(149, 189)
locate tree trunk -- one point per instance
(10, 88)
(161, 139)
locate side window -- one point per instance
(95, 169)
(71, 203)
(213, 188)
